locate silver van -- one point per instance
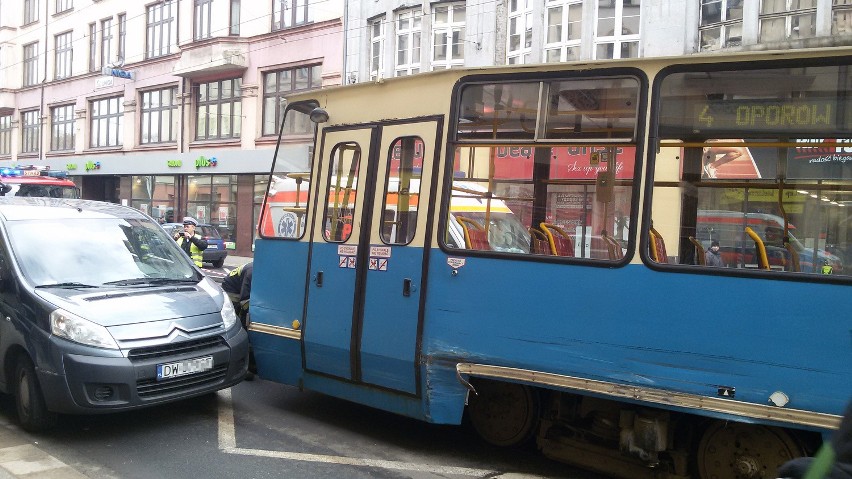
(101, 311)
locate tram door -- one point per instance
(368, 244)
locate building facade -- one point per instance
(387, 38)
(171, 106)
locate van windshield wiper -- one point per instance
(67, 285)
(138, 281)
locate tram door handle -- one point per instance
(318, 279)
(407, 287)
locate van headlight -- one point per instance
(74, 328)
(229, 316)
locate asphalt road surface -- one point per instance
(260, 429)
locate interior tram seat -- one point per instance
(559, 241)
(657, 247)
(475, 236)
(794, 257)
(612, 246)
(700, 259)
(760, 249)
(539, 243)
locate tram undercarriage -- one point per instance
(629, 441)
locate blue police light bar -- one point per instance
(55, 173)
(11, 172)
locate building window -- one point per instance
(377, 47)
(219, 113)
(64, 53)
(159, 112)
(31, 64)
(721, 24)
(30, 132)
(107, 122)
(203, 18)
(122, 37)
(93, 47)
(30, 11)
(154, 195)
(235, 18)
(159, 32)
(519, 37)
(6, 135)
(106, 41)
(278, 84)
(62, 128)
(64, 5)
(782, 20)
(564, 30)
(448, 22)
(841, 21)
(213, 199)
(617, 34)
(289, 13)
(407, 42)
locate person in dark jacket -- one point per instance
(190, 242)
(238, 287)
(712, 256)
(832, 461)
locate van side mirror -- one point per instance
(4, 188)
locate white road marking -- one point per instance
(228, 445)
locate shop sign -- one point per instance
(70, 166)
(174, 163)
(93, 165)
(104, 82)
(203, 162)
(117, 72)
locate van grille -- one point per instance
(172, 349)
(150, 388)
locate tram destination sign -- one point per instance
(765, 115)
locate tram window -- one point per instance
(504, 111)
(755, 160)
(593, 108)
(516, 192)
(284, 210)
(402, 190)
(342, 192)
(576, 109)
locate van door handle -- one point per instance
(318, 279)
(408, 287)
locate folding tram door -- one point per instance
(369, 242)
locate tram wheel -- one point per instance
(743, 451)
(504, 414)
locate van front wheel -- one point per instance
(29, 400)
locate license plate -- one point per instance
(182, 368)
(212, 246)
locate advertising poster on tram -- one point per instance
(820, 162)
(572, 203)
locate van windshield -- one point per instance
(96, 251)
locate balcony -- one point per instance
(210, 58)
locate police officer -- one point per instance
(237, 285)
(826, 267)
(190, 242)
